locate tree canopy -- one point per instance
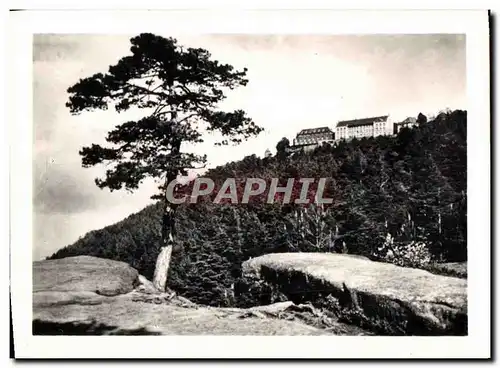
(179, 89)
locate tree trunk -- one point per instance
(161, 269)
(163, 260)
(167, 233)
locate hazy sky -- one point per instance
(296, 82)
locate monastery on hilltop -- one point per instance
(308, 139)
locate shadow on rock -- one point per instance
(78, 328)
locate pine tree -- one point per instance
(179, 90)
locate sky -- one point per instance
(296, 82)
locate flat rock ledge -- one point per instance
(94, 296)
(382, 297)
(84, 274)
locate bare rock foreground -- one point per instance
(380, 296)
(93, 296)
(327, 294)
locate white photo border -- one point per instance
(472, 23)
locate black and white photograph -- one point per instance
(223, 183)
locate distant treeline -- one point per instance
(411, 186)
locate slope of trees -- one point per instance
(410, 189)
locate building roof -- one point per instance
(365, 121)
(315, 131)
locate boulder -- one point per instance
(84, 274)
(387, 298)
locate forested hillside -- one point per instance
(399, 199)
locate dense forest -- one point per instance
(399, 199)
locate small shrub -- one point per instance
(410, 254)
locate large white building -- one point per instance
(366, 127)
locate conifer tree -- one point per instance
(179, 90)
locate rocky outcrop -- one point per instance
(383, 297)
(84, 274)
(89, 295)
(122, 315)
